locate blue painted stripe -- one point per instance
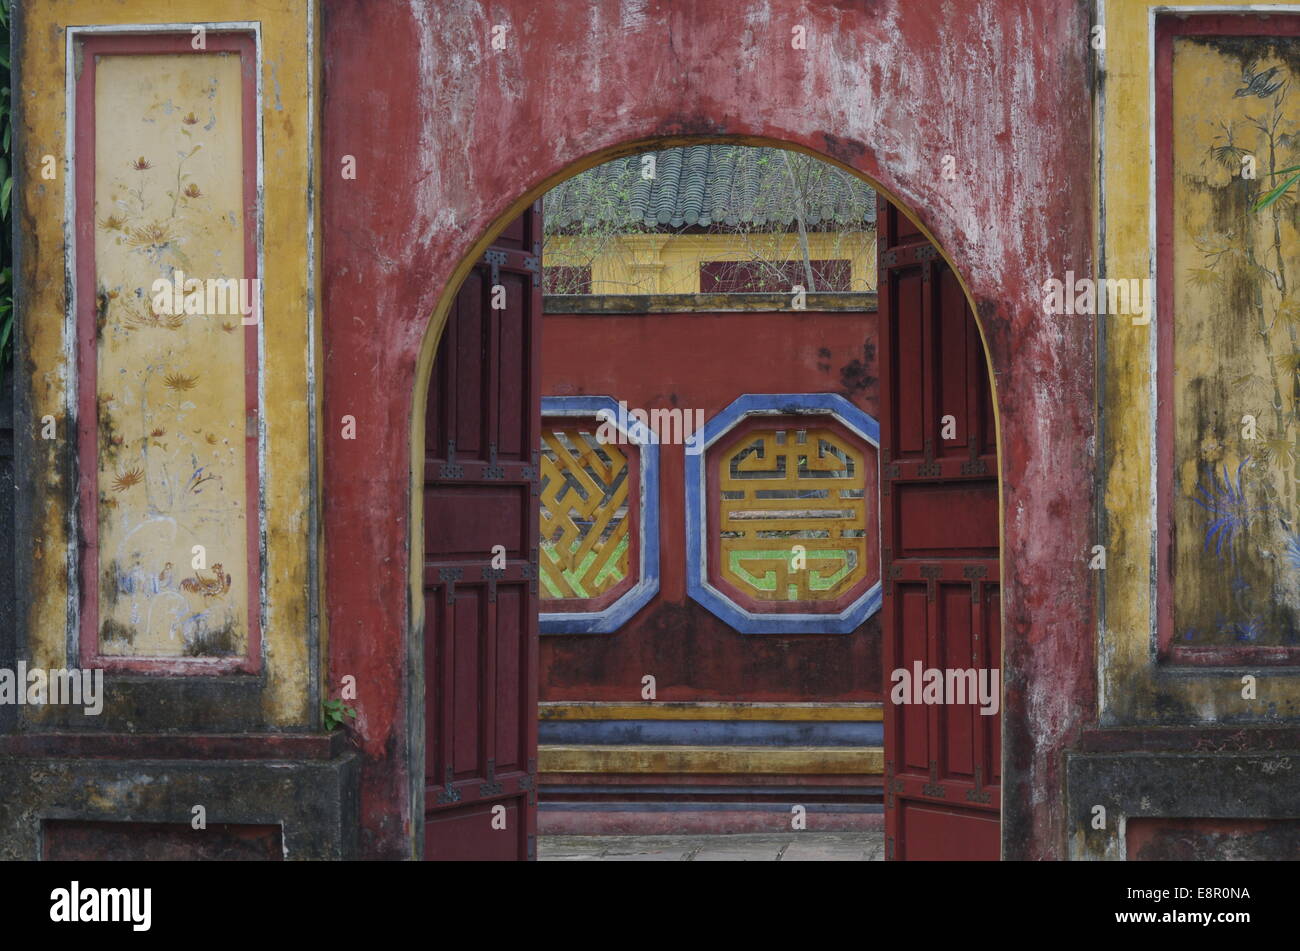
(812, 807)
(710, 733)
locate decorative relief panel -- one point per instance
(585, 523)
(599, 546)
(783, 487)
(783, 515)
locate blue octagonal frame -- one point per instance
(697, 581)
(613, 617)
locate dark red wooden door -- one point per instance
(480, 560)
(939, 532)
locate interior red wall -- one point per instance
(449, 136)
(704, 361)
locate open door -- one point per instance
(939, 533)
(480, 559)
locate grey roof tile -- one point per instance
(711, 185)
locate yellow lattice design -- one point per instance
(584, 529)
(782, 488)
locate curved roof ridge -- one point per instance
(717, 184)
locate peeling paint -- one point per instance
(889, 88)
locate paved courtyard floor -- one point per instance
(764, 847)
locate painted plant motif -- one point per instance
(1236, 366)
(171, 400)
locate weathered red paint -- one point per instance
(940, 553)
(71, 840)
(451, 136)
(703, 362)
(1201, 840)
(686, 821)
(88, 303)
(480, 559)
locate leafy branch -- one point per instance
(6, 195)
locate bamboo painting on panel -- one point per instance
(1235, 371)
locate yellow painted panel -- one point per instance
(169, 196)
(855, 760)
(1130, 688)
(289, 135)
(1237, 347)
(673, 710)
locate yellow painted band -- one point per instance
(858, 760)
(819, 712)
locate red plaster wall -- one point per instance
(704, 361)
(72, 840)
(448, 134)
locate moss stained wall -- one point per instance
(284, 691)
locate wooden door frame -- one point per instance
(424, 370)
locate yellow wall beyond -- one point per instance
(1133, 687)
(288, 129)
(670, 263)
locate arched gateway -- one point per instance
(470, 137)
(364, 156)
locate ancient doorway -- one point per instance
(924, 461)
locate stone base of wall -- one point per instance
(1185, 794)
(125, 797)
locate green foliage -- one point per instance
(1274, 194)
(6, 195)
(336, 714)
(748, 193)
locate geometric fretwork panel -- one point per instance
(598, 557)
(793, 520)
(783, 515)
(585, 536)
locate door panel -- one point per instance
(939, 534)
(480, 491)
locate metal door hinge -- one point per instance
(449, 577)
(934, 787)
(449, 792)
(977, 794)
(491, 576)
(492, 470)
(449, 468)
(491, 787)
(894, 786)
